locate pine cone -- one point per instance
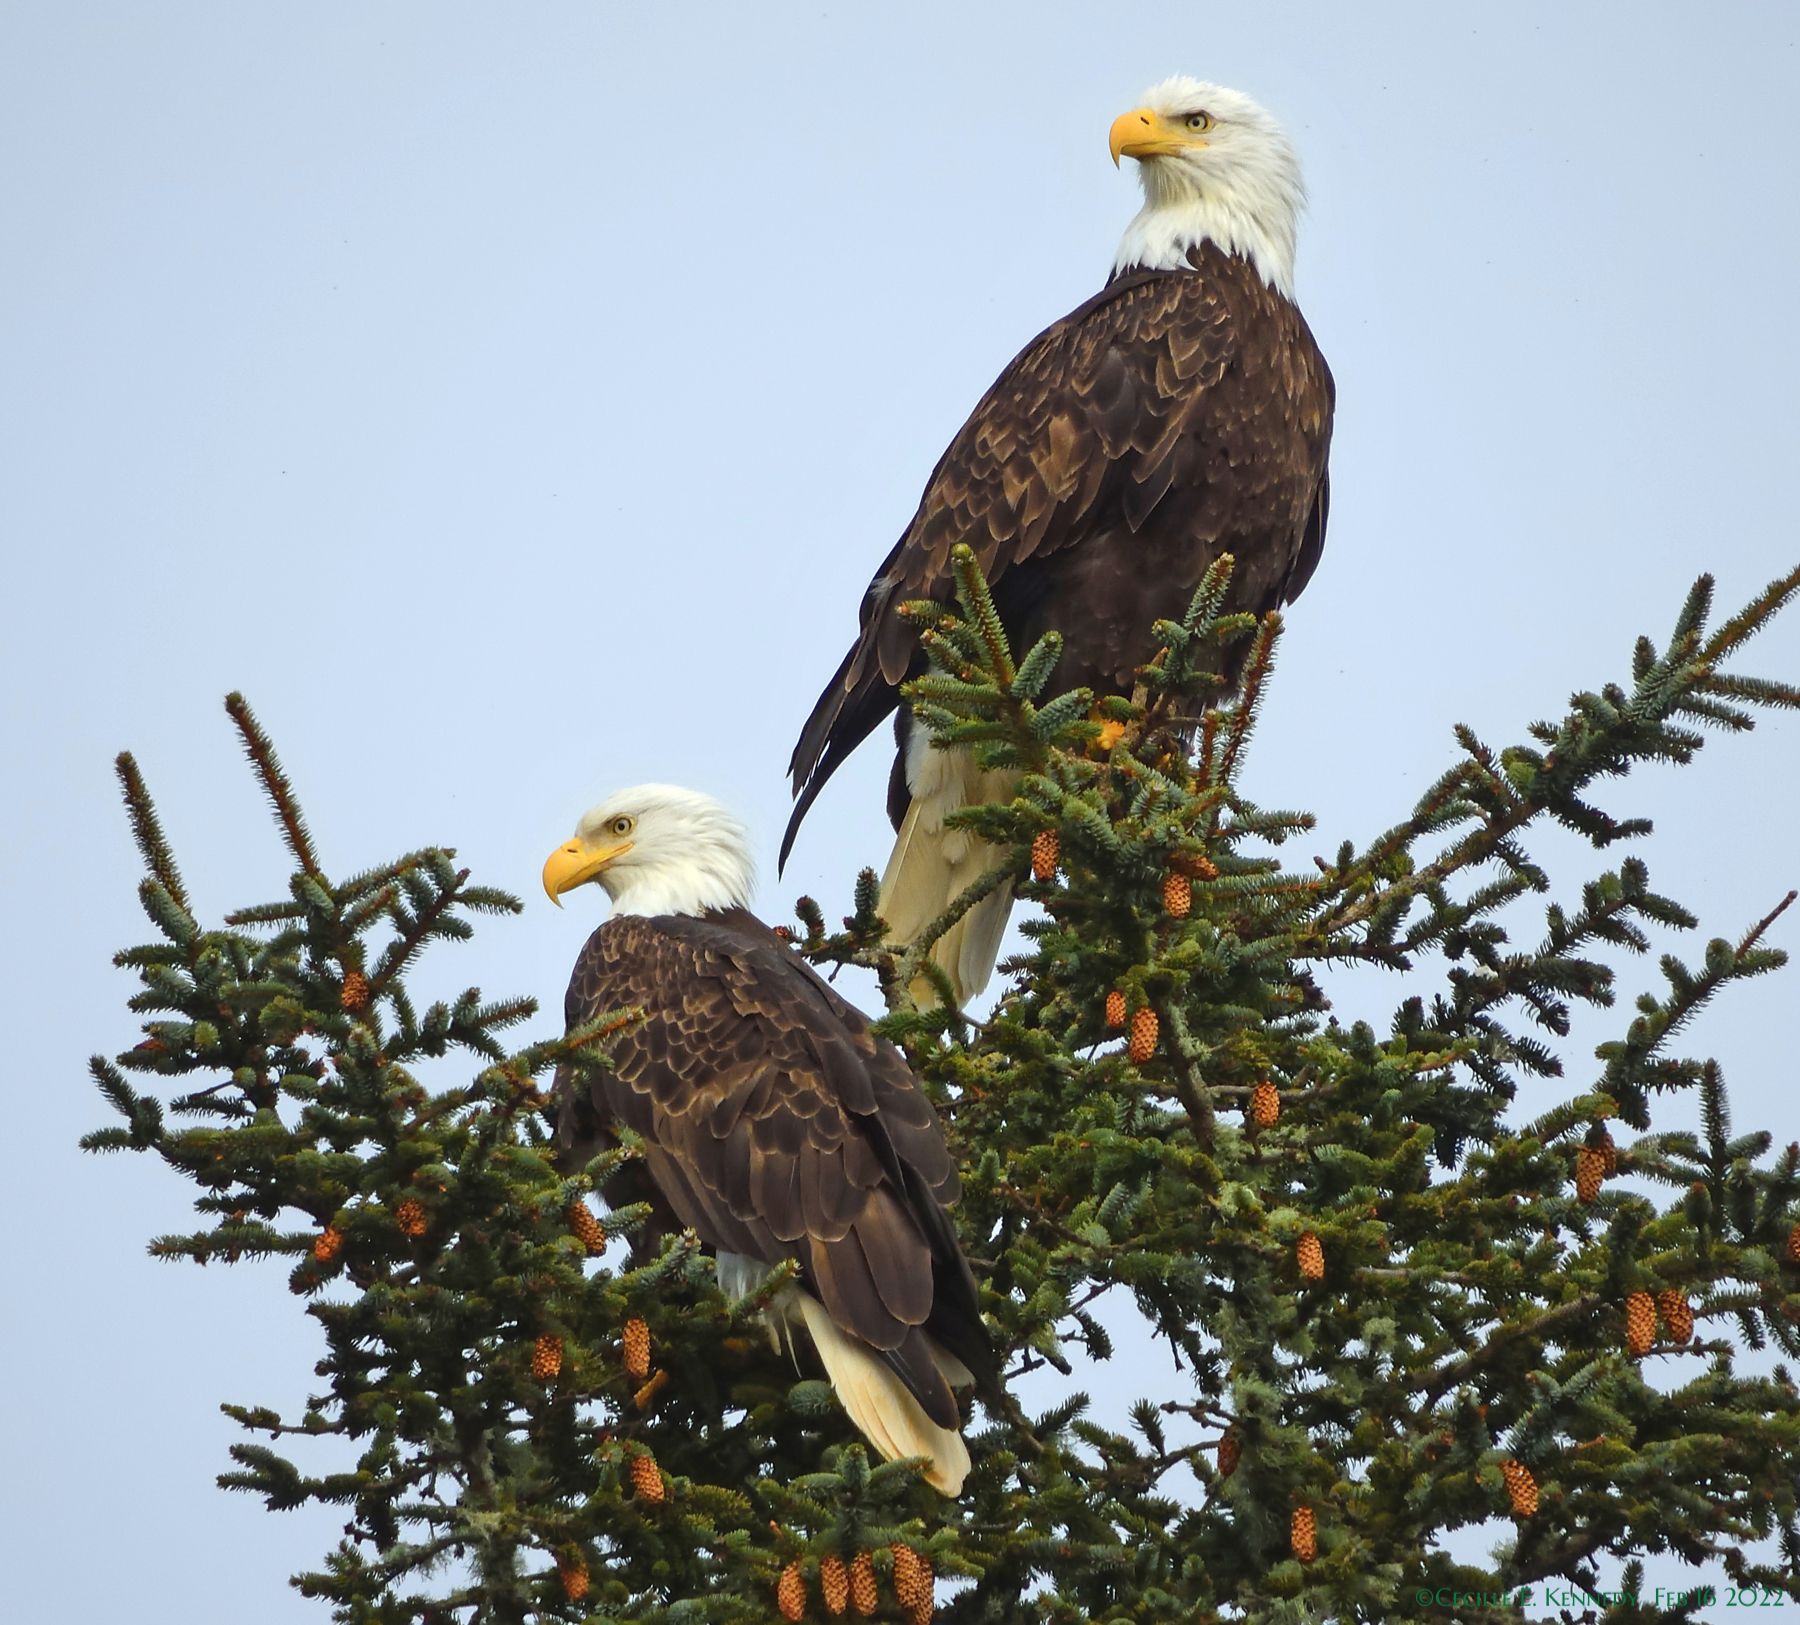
(790, 1591)
(1194, 864)
(1608, 1148)
(1309, 1254)
(1521, 1487)
(546, 1357)
(410, 1217)
(646, 1479)
(328, 1244)
(354, 995)
(572, 1570)
(1590, 1169)
(1676, 1314)
(1793, 1246)
(586, 1229)
(1045, 846)
(1303, 1534)
(645, 1397)
(1640, 1323)
(1265, 1105)
(912, 1583)
(1143, 1036)
(834, 1583)
(864, 1598)
(1231, 1451)
(1178, 895)
(1115, 1017)
(637, 1349)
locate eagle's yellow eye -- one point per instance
(1200, 123)
(622, 825)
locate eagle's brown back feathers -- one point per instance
(1175, 416)
(778, 1126)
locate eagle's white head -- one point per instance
(1216, 168)
(657, 849)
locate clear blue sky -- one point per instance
(430, 371)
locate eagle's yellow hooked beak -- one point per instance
(576, 863)
(1142, 133)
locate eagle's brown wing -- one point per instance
(778, 1126)
(1185, 413)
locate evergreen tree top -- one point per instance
(1411, 1277)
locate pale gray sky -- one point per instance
(515, 402)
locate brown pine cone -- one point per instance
(645, 1397)
(585, 1228)
(328, 1244)
(864, 1598)
(790, 1591)
(1265, 1105)
(646, 1479)
(1115, 1010)
(636, 1341)
(1793, 1246)
(1178, 895)
(1142, 1044)
(1676, 1314)
(834, 1583)
(1590, 1169)
(1045, 847)
(354, 994)
(410, 1217)
(1521, 1487)
(1608, 1148)
(572, 1570)
(1640, 1323)
(1195, 864)
(1231, 1451)
(912, 1583)
(1303, 1534)
(546, 1357)
(1309, 1254)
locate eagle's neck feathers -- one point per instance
(1256, 219)
(696, 882)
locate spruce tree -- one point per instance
(1410, 1279)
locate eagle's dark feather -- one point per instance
(1175, 416)
(777, 1125)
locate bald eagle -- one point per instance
(775, 1123)
(1182, 412)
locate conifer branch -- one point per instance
(417, 930)
(1536, 1329)
(146, 830)
(1749, 620)
(274, 782)
(978, 604)
(1243, 714)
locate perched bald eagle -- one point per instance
(1182, 412)
(775, 1124)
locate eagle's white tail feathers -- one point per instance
(932, 866)
(949, 1367)
(878, 1402)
